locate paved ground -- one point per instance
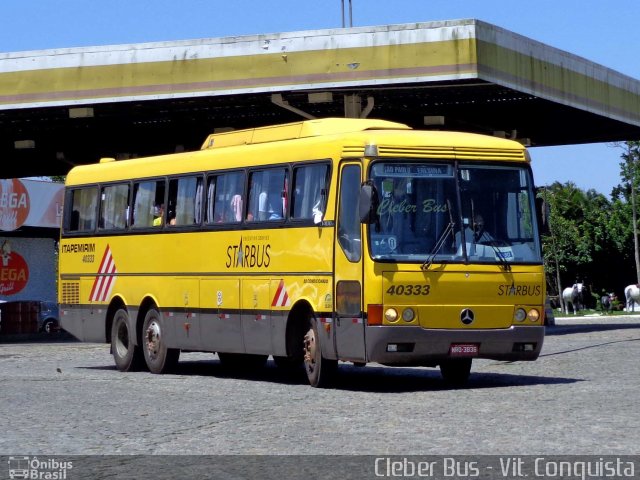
(580, 397)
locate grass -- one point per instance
(590, 312)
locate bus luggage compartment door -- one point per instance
(349, 324)
(256, 316)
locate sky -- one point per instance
(603, 31)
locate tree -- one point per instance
(593, 238)
(565, 245)
(630, 176)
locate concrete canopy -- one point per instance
(64, 107)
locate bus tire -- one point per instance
(127, 356)
(159, 358)
(320, 371)
(456, 371)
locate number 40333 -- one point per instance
(409, 289)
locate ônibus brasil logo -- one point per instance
(34, 468)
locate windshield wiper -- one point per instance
(504, 263)
(436, 248)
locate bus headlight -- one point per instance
(533, 315)
(391, 315)
(520, 315)
(408, 315)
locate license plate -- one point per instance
(463, 350)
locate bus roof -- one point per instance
(291, 131)
(344, 137)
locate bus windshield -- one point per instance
(441, 212)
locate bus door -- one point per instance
(348, 318)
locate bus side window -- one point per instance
(209, 216)
(309, 192)
(268, 194)
(224, 198)
(148, 198)
(184, 201)
(348, 221)
(113, 207)
(82, 211)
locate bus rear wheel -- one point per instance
(456, 371)
(127, 356)
(159, 358)
(320, 371)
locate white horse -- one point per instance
(631, 296)
(572, 295)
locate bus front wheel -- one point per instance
(456, 371)
(127, 356)
(159, 358)
(320, 371)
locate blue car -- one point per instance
(48, 317)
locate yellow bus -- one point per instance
(315, 242)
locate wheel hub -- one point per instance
(310, 349)
(153, 339)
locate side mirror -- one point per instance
(368, 203)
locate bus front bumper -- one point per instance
(403, 345)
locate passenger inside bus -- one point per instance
(268, 208)
(171, 215)
(158, 215)
(236, 207)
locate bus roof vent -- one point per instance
(460, 153)
(291, 131)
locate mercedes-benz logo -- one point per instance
(467, 316)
